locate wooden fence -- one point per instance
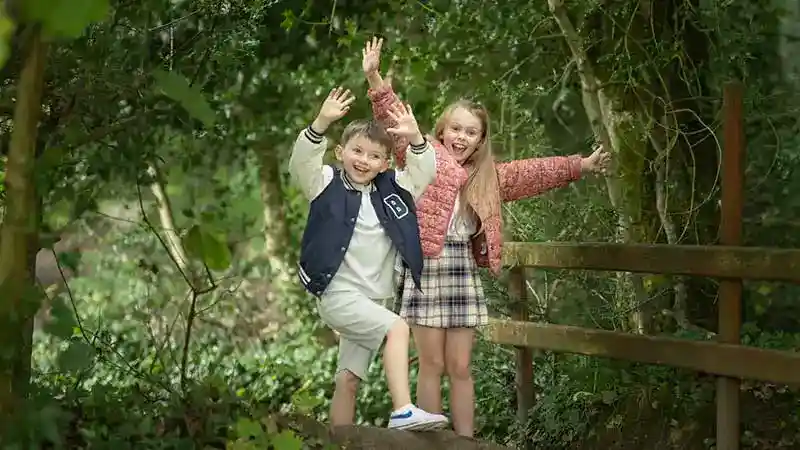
(729, 262)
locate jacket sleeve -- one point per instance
(305, 164)
(382, 100)
(420, 170)
(526, 178)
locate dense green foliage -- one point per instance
(181, 324)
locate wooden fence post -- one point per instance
(524, 366)
(730, 290)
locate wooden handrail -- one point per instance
(755, 263)
(731, 360)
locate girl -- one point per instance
(460, 223)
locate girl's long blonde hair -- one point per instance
(482, 189)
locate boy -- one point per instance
(361, 220)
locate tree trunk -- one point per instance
(19, 295)
(276, 233)
(171, 239)
(189, 271)
(602, 116)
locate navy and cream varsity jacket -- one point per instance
(355, 235)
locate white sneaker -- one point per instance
(412, 418)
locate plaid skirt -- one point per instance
(452, 294)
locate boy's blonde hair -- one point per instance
(371, 130)
(482, 188)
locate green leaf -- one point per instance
(51, 158)
(32, 296)
(65, 18)
(7, 27)
(77, 357)
(351, 27)
(305, 401)
(177, 87)
(49, 424)
(62, 321)
(286, 440)
(288, 19)
(608, 397)
(203, 245)
(59, 215)
(247, 428)
(69, 260)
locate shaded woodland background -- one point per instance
(165, 231)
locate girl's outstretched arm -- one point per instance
(526, 178)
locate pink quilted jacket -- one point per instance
(517, 179)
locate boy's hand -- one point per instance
(597, 162)
(333, 108)
(406, 125)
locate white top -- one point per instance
(370, 260)
(461, 225)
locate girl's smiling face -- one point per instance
(462, 134)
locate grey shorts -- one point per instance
(362, 324)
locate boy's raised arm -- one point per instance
(305, 164)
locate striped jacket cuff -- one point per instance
(418, 149)
(312, 135)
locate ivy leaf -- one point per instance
(62, 321)
(305, 401)
(204, 245)
(49, 424)
(246, 428)
(286, 440)
(69, 260)
(32, 296)
(7, 27)
(65, 18)
(52, 156)
(77, 357)
(608, 397)
(59, 215)
(288, 19)
(177, 87)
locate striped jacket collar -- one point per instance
(349, 185)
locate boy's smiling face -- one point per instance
(363, 159)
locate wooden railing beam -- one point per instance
(730, 360)
(754, 263)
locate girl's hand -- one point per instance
(597, 162)
(335, 106)
(406, 124)
(371, 61)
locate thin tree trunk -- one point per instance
(19, 296)
(600, 113)
(190, 272)
(670, 230)
(167, 219)
(276, 233)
